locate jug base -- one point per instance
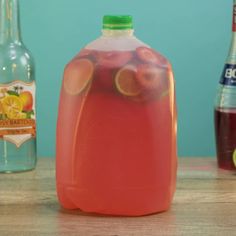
(116, 202)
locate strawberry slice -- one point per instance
(113, 59)
(152, 77)
(150, 56)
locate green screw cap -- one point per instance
(117, 22)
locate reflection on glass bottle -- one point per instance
(17, 95)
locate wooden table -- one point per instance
(204, 204)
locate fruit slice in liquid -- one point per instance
(77, 75)
(113, 59)
(150, 56)
(152, 78)
(126, 81)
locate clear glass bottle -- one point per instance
(225, 107)
(17, 95)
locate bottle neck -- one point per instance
(117, 33)
(232, 52)
(9, 22)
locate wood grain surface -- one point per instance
(204, 204)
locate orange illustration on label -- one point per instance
(17, 112)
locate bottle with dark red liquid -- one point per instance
(225, 108)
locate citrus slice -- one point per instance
(126, 82)
(113, 59)
(234, 157)
(12, 107)
(151, 77)
(77, 75)
(150, 56)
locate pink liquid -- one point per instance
(116, 154)
(225, 126)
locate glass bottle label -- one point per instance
(229, 75)
(17, 112)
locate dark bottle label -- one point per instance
(229, 75)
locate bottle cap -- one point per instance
(117, 22)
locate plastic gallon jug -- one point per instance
(116, 130)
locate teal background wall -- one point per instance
(194, 35)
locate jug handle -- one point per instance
(74, 159)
